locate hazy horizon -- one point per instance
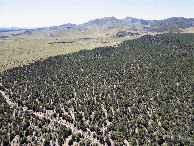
(83, 22)
(38, 13)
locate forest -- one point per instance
(139, 93)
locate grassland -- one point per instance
(21, 48)
(26, 48)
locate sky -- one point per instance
(45, 13)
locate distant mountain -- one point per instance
(14, 29)
(127, 26)
(128, 21)
(66, 25)
(174, 24)
(103, 21)
(10, 29)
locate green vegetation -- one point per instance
(140, 92)
(22, 127)
(17, 50)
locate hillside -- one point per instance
(172, 24)
(139, 93)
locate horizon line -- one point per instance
(35, 27)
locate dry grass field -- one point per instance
(26, 48)
(22, 47)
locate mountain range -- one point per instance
(174, 24)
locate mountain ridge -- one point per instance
(151, 25)
(173, 24)
(129, 20)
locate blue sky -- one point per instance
(44, 13)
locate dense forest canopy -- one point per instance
(140, 92)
